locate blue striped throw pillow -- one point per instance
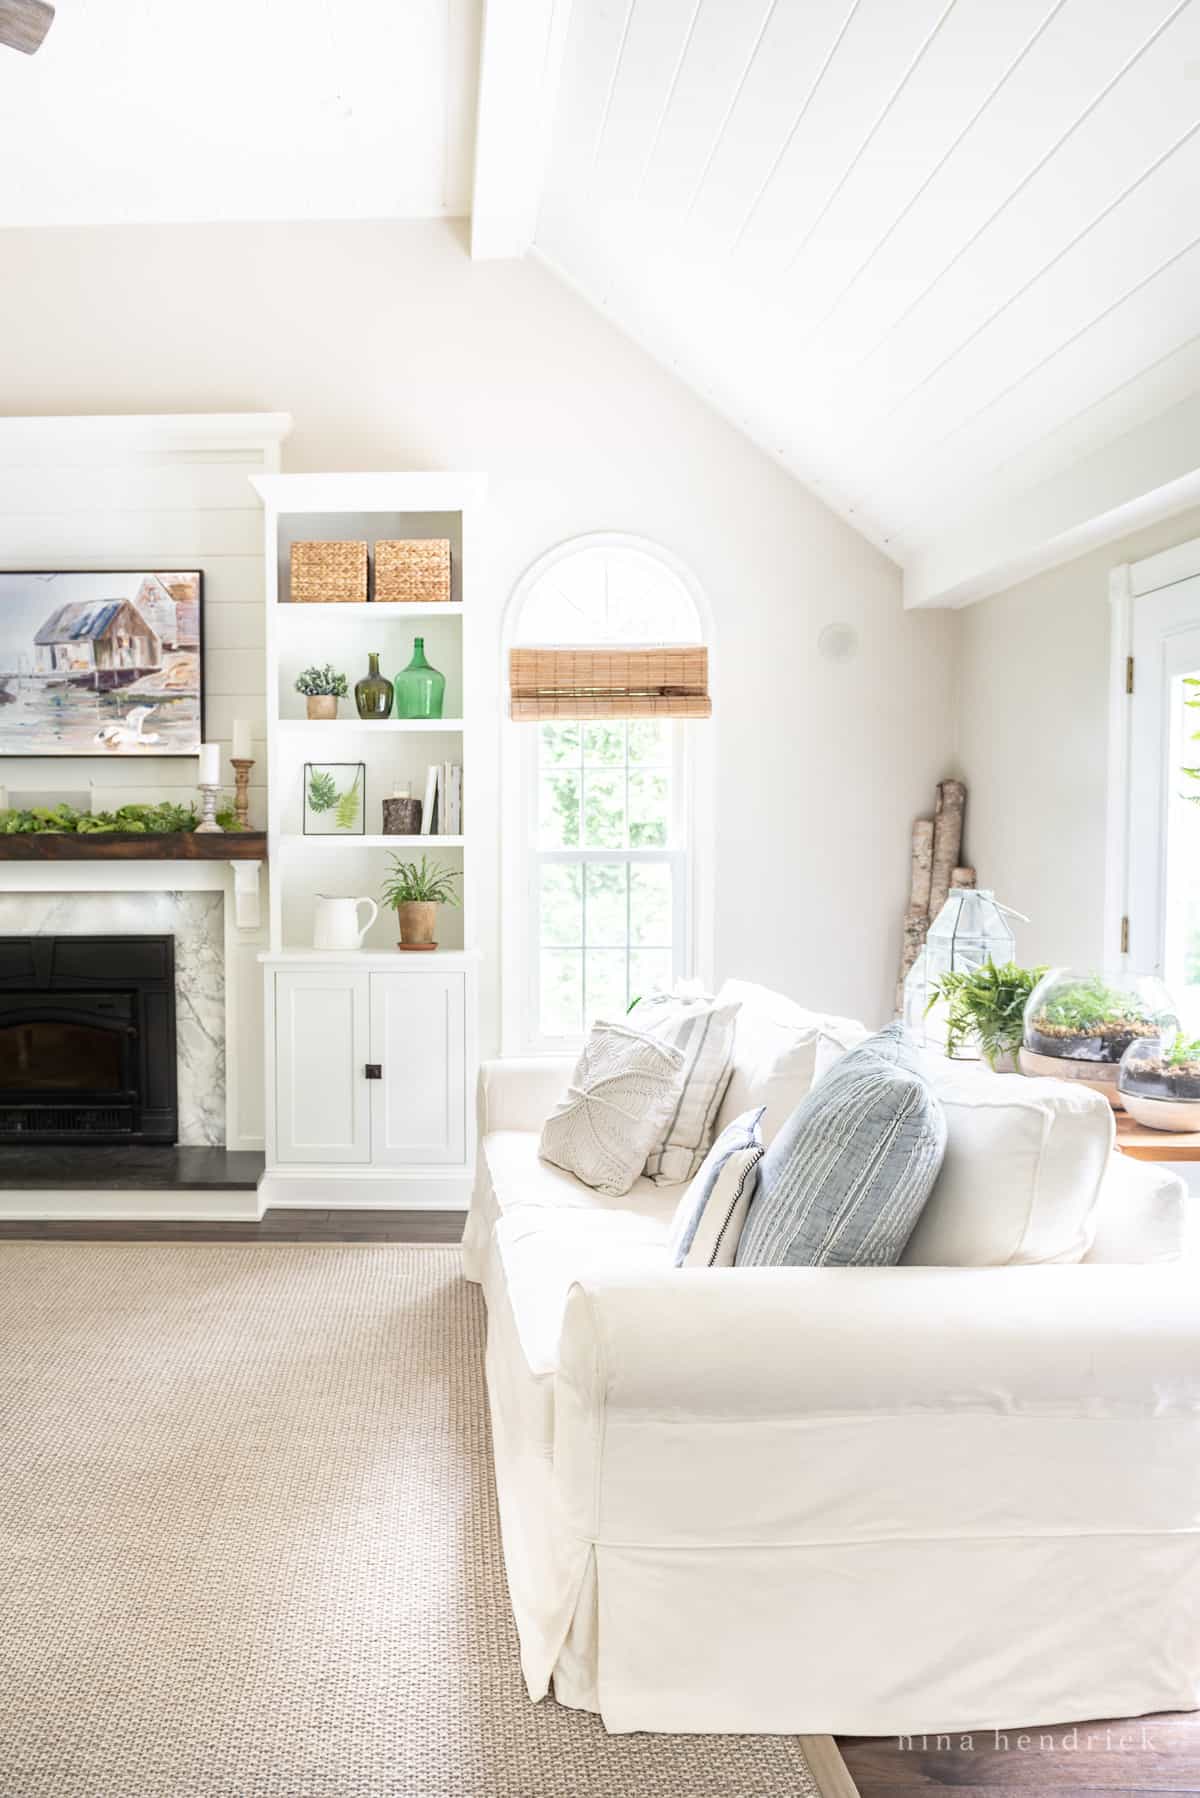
(846, 1178)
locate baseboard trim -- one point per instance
(316, 1191)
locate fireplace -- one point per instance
(87, 1039)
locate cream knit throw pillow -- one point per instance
(620, 1101)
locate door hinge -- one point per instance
(1129, 674)
(1124, 936)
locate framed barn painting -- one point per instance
(102, 664)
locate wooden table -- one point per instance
(1155, 1145)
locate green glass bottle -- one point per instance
(420, 689)
(373, 693)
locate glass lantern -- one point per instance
(971, 929)
(1079, 1024)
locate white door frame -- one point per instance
(1126, 584)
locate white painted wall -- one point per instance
(391, 349)
(1032, 743)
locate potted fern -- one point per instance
(986, 1007)
(322, 689)
(415, 890)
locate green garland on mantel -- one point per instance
(164, 820)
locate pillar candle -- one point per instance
(210, 765)
(242, 751)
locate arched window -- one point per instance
(601, 838)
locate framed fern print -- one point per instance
(335, 799)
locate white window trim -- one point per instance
(1126, 584)
(517, 789)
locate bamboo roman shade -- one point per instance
(609, 683)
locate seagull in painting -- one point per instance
(129, 734)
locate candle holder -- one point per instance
(241, 797)
(208, 799)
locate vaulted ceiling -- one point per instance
(941, 258)
(928, 253)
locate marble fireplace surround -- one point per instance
(196, 921)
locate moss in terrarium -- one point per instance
(1090, 1020)
(1157, 1073)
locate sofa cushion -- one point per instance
(517, 1178)
(774, 1053)
(618, 1106)
(711, 1215)
(1025, 1160)
(702, 1031)
(845, 1180)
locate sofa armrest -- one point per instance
(719, 1405)
(520, 1094)
(1141, 1214)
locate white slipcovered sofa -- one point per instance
(861, 1500)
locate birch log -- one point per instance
(962, 877)
(947, 841)
(916, 918)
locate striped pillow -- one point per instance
(845, 1180)
(710, 1216)
(702, 1031)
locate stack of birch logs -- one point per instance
(936, 848)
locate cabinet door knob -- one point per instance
(374, 1070)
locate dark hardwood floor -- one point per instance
(1132, 1758)
(274, 1226)
(1142, 1755)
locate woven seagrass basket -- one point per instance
(412, 571)
(325, 573)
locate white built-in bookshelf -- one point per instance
(329, 1016)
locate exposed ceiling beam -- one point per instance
(24, 23)
(1148, 474)
(519, 67)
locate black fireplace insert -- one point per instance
(87, 1039)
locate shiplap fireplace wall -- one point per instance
(153, 492)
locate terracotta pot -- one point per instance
(417, 920)
(321, 705)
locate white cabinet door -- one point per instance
(322, 1106)
(418, 1038)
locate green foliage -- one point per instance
(420, 883)
(988, 1003)
(1085, 1005)
(135, 820)
(1184, 1050)
(322, 791)
(322, 682)
(346, 815)
(1193, 704)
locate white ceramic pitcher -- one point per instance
(335, 921)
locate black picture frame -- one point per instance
(97, 752)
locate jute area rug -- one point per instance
(249, 1547)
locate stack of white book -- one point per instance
(441, 814)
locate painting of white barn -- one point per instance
(101, 664)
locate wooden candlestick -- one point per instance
(241, 797)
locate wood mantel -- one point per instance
(125, 846)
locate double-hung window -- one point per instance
(605, 860)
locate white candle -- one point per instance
(210, 765)
(242, 752)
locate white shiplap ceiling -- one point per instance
(924, 251)
(162, 111)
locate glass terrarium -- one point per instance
(1159, 1080)
(971, 929)
(1078, 1025)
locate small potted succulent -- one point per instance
(1078, 1026)
(415, 890)
(1159, 1081)
(985, 1011)
(322, 689)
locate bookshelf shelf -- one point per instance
(312, 732)
(378, 611)
(432, 841)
